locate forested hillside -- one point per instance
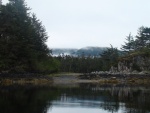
(86, 51)
(64, 51)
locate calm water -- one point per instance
(84, 98)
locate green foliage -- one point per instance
(50, 65)
(129, 45)
(110, 58)
(79, 64)
(140, 41)
(143, 38)
(22, 40)
(86, 64)
(140, 54)
(140, 44)
(136, 67)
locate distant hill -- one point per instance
(65, 51)
(86, 51)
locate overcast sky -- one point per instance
(81, 23)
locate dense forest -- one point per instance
(23, 48)
(86, 64)
(22, 41)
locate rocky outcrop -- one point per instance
(133, 64)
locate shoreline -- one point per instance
(23, 79)
(133, 79)
(73, 78)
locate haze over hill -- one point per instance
(86, 51)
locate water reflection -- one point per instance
(87, 98)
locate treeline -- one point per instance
(138, 45)
(84, 64)
(78, 64)
(22, 41)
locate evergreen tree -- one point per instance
(143, 38)
(22, 40)
(110, 58)
(129, 44)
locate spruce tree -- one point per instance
(143, 38)
(22, 40)
(129, 44)
(110, 58)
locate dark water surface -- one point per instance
(83, 98)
